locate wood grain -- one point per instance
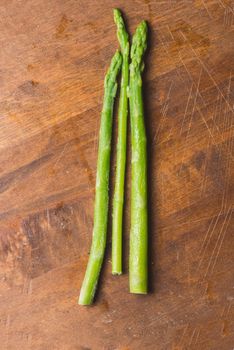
(53, 58)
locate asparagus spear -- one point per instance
(102, 183)
(121, 149)
(138, 236)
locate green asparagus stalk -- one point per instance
(139, 230)
(102, 183)
(118, 198)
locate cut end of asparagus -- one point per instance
(85, 300)
(138, 283)
(83, 303)
(87, 293)
(117, 273)
(136, 291)
(138, 288)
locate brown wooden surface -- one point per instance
(53, 56)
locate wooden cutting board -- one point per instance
(53, 58)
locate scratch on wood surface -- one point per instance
(217, 244)
(191, 78)
(229, 85)
(177, 71)
(164, 47)
(228, 150)
(185, 67)
(204, 176)
(219, 100)
(228, 16)
(210, 76)
(170, 33)
(167, 138)
(191, 338)
(216, 107)
(181, 224)
(197, 337)
(183, 36)
(208, 129)
(216, 113)
(186, 108)
(225, 16)
(29, 339)
(222, 235)
(60, 155)
(190, 121)
(188, 274)
(164, 110)
(208, 238)
(169, 92)
(162, 188)
(181, 341)
(202, 99)
(224, 193)
(223, 204)
(227, 177)
(30, 287)
(227, 307)
(222, 313)
(221, 3)
(220, 112)
(48, 218)
(197, 91)
(225, 117)
(8, 321)
(224, 330)
(204, 242)
(207, 10)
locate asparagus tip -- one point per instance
(139, 44)
(117, 14)
(121, 32)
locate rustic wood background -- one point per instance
(53, 57)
